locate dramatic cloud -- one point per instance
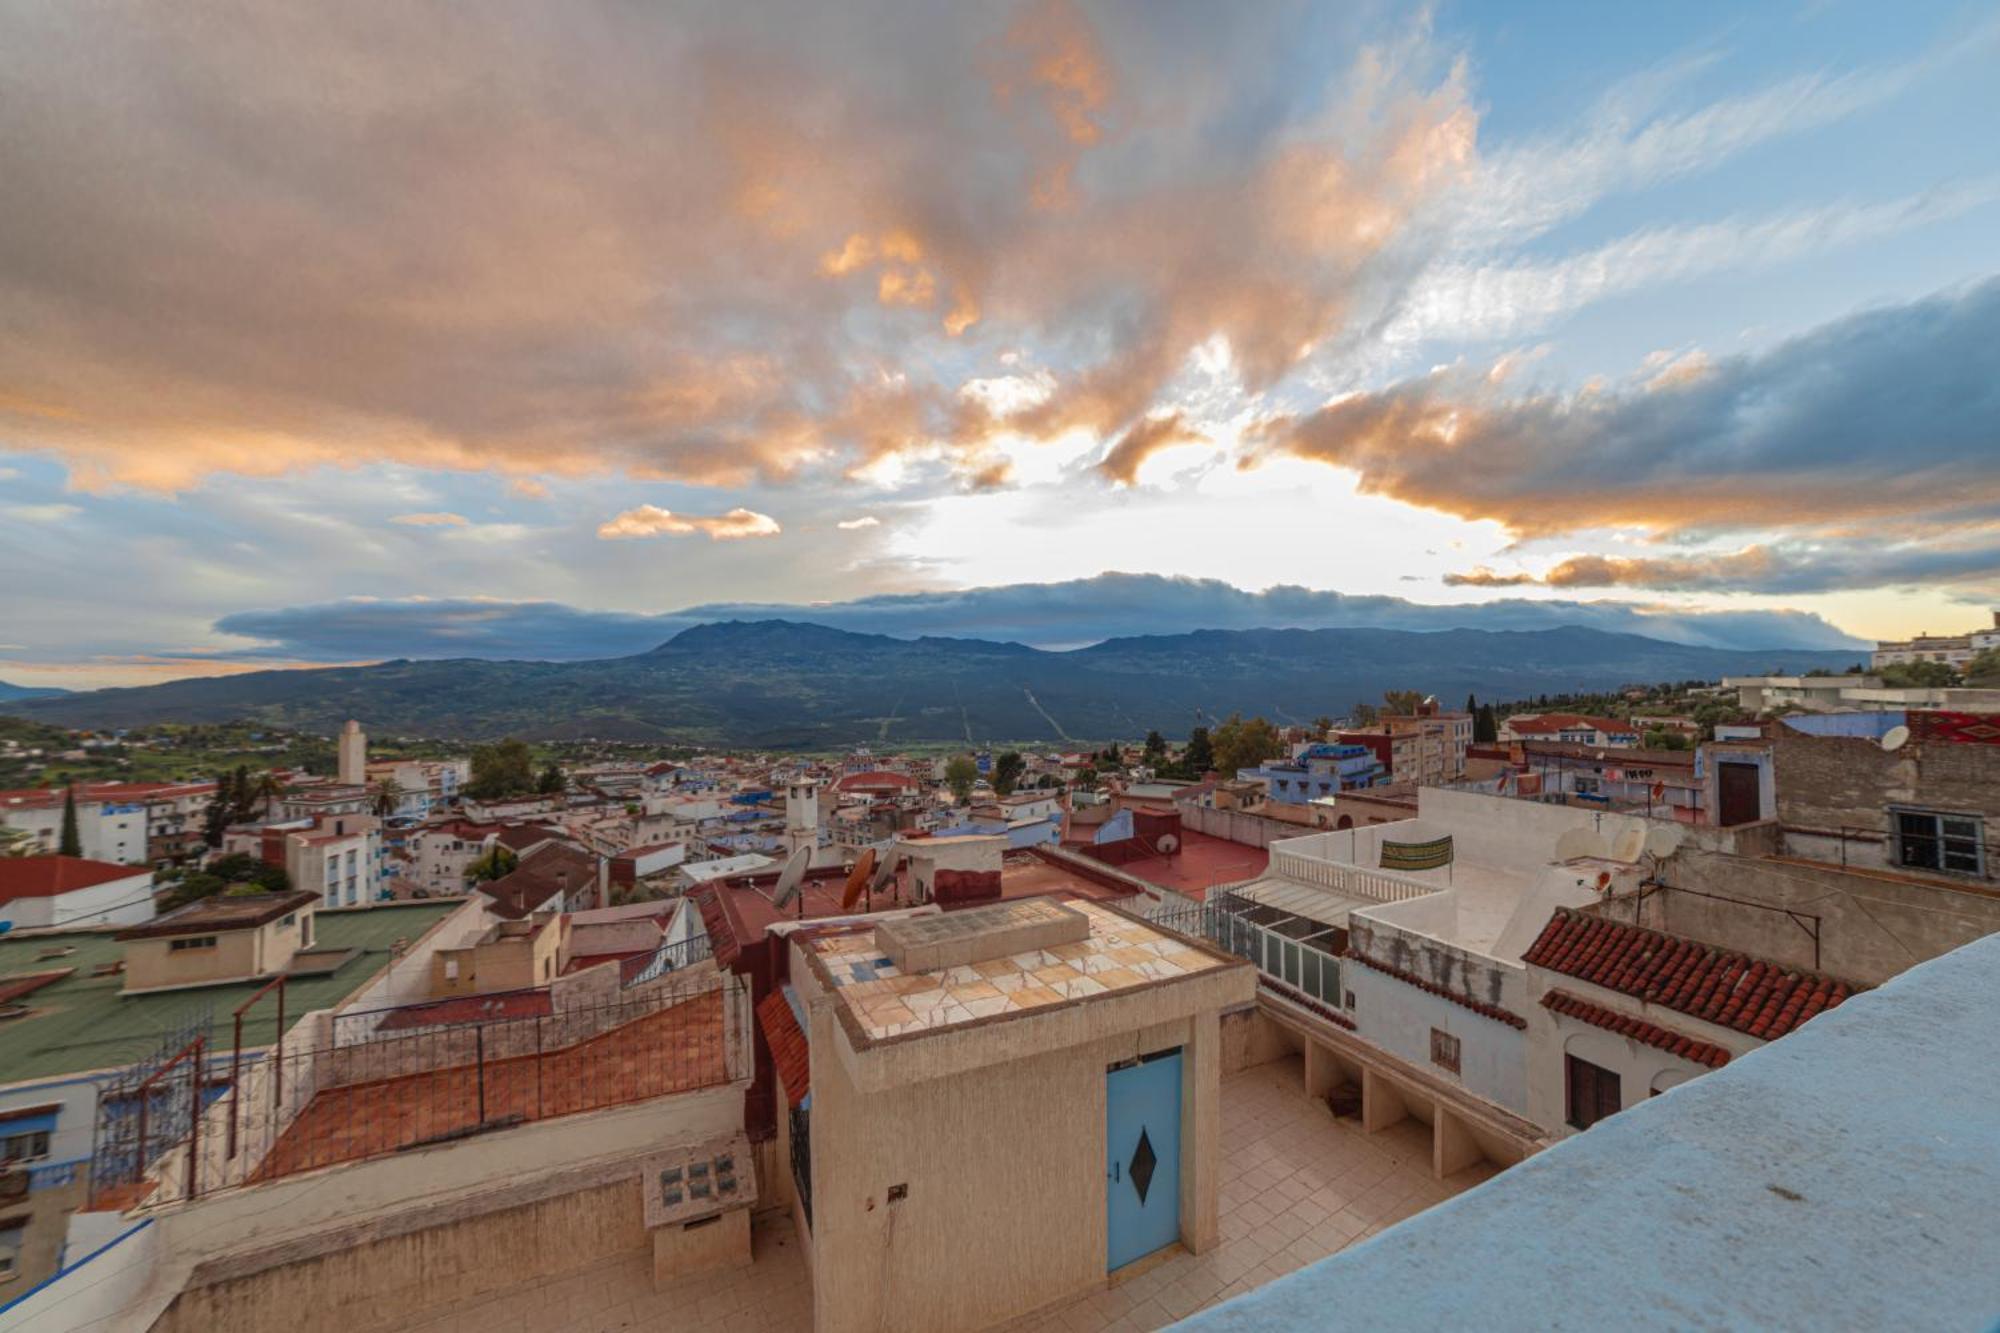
(1046, 615)
(1144, 440)
(1892, 412)
(709, 245)
(653, 521)
(1767, 569)
(438, 520)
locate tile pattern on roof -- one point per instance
(1480, 1007)
(789, 1051)
(1120, 953)
(1734, 990)
(1638, 1029)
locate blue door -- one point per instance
(1143, 1157)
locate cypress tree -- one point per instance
(72, 839)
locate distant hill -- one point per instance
(10, 693)
(782, 684)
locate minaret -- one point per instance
(802, 814)
(353, 754)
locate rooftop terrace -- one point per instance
(82, 1022)
(1840, 1178)
(1118, 954)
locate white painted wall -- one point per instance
(118, 902)
(1398, 1017)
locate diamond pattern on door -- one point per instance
(1141, 1167)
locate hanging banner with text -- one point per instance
(1416, 855)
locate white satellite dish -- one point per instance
(885, 870)
(1630, 843)
(1895, 738)
(791, 877)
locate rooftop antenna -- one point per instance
(1895, 738)
(790, 879)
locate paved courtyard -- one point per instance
(1297, 1185)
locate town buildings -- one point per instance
(1318, 770)
(1954, 650)
(42, 892)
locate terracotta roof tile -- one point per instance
(1666, 1039)
(52, 876)
(1733, 990)
(789, 1051)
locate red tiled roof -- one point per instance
(789, 1051)
(52, 876)
(1733, 990)
(1480, 1007)
(27, 983)
(1638, 1029)
(874, 778)
(723, 944)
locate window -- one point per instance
(1444, 1050)
(1929, 840)
(1592, 1090)
(191, 942)
(29, 1147)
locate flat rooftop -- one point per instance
(1201, 863)
(1840, 1178)
(82, 1023)
(1119, 954)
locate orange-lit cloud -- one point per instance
(653, 521)
(709, 252)
(1144, 440)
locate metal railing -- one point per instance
(667, 958)
(1298, 952)
(311, 1102)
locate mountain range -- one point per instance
(784, 684)
(11, 693)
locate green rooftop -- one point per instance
(82, 1024)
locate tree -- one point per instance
(496, 864)
(1363, 715)
(72, 840)
(553, 781)
(1199, 757)
(388, 796)
(1485, 726)
(1663, 738)
(1983, 671)
(1156, 748)
(1472, 705)
(1402, 703)
(1085, 780)
(1918, 675)
(1007, 770)
(15, 842)
(1241, 744)
(961, 774)
(502, 769)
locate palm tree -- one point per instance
(388, 796)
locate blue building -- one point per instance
(1324, 769)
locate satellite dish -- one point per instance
(1895, 738)
(1167, 844)
(1630, 843)
(885, 870)
(791, 877)
(857, 880)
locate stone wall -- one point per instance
(391, 1283)
(1830, 784)
(1871, 924)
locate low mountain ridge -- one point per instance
(793, 684)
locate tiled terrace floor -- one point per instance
(1297, 1185)
(674, 1050)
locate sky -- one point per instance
(336, 333)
